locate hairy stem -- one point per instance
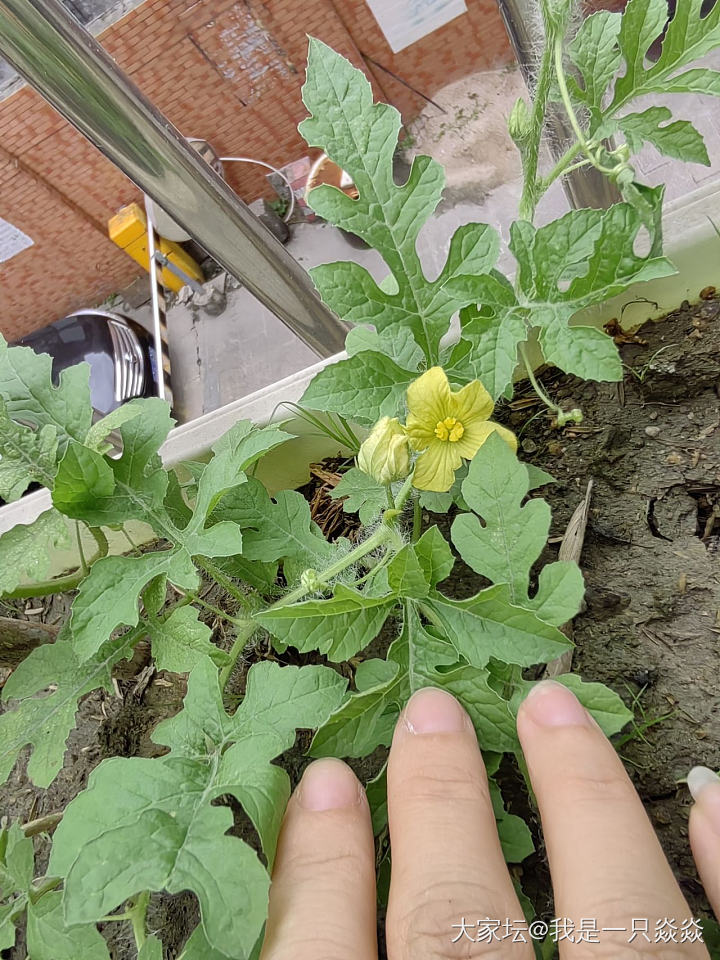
(417, 520)
(550, 404)
(225, 582)
(243, 632)
(529, 198)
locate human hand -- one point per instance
(605, 860)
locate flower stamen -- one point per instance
(449, 429)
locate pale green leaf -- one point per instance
(102, 490)
(406, 576)
(362, 388)
(434, 556)
(151, 824)
(362, 495)
(487, 350)
(361, 138)
(17, 860)
(30, 397)
(26, 456)
(587, 351)
(512, 534)
(182, 641)
(152, 950)
(689, 36)
(49, 939)
(338, 627)
(98, 433)
(197, 948)
(604, 704)
(25, 550)
(397, 343)
(488, 625)
(679, 139)
(274, 529)
(47, 686)
(595, 52)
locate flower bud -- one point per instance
(385, 454)
(519, 124)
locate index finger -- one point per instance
(447, 864)
(606, 862)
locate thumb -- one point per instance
(704, 786)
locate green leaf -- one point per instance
(362, 388)
(338, 627)
(487, 350)
(398, 343)
(98, 433)
(595, 52)
(581, 259)
(434, 556)
(361, 137)
(689, 36)
(16, 874)
(275, 530)
(45, 721)
(151, 824)
(26, 456)
(182, 641)
(367, 719)
(31, 398)
(512, 534)
(679, 139)
(17, 860)
(25, 549)
(136, 484)
(406, 576)
(603, 703)
(49, 939)
(197, 948)
(152, 950)
(515, 837)
(362, 495)
(489, 625)
(101, 490)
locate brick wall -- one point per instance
(227, 71)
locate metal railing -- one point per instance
(70, 69)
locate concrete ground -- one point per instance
(216, 359)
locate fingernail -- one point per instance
(328, 784)
(699, 778)
(431, 710)
(550, 704)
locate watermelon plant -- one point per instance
(424, 396)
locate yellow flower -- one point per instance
(447, 426)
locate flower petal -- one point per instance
(435, 469)
(428, 400)
(472, 403)
(477, 433)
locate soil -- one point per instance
(650, 628)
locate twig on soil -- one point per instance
(45, 824)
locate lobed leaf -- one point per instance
(151, 824)
(361, 137)
(47, 686)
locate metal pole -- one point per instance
(585, 187)
(159, 311)
(73, 73)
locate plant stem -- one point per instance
(244, 630)
(417, 520)
(536, 385)
(529, 198)
(81, 552)
(225, 582)
(137, 913)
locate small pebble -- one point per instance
(691, 416)
(653, 415)
(529, 446)
(652, 431)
